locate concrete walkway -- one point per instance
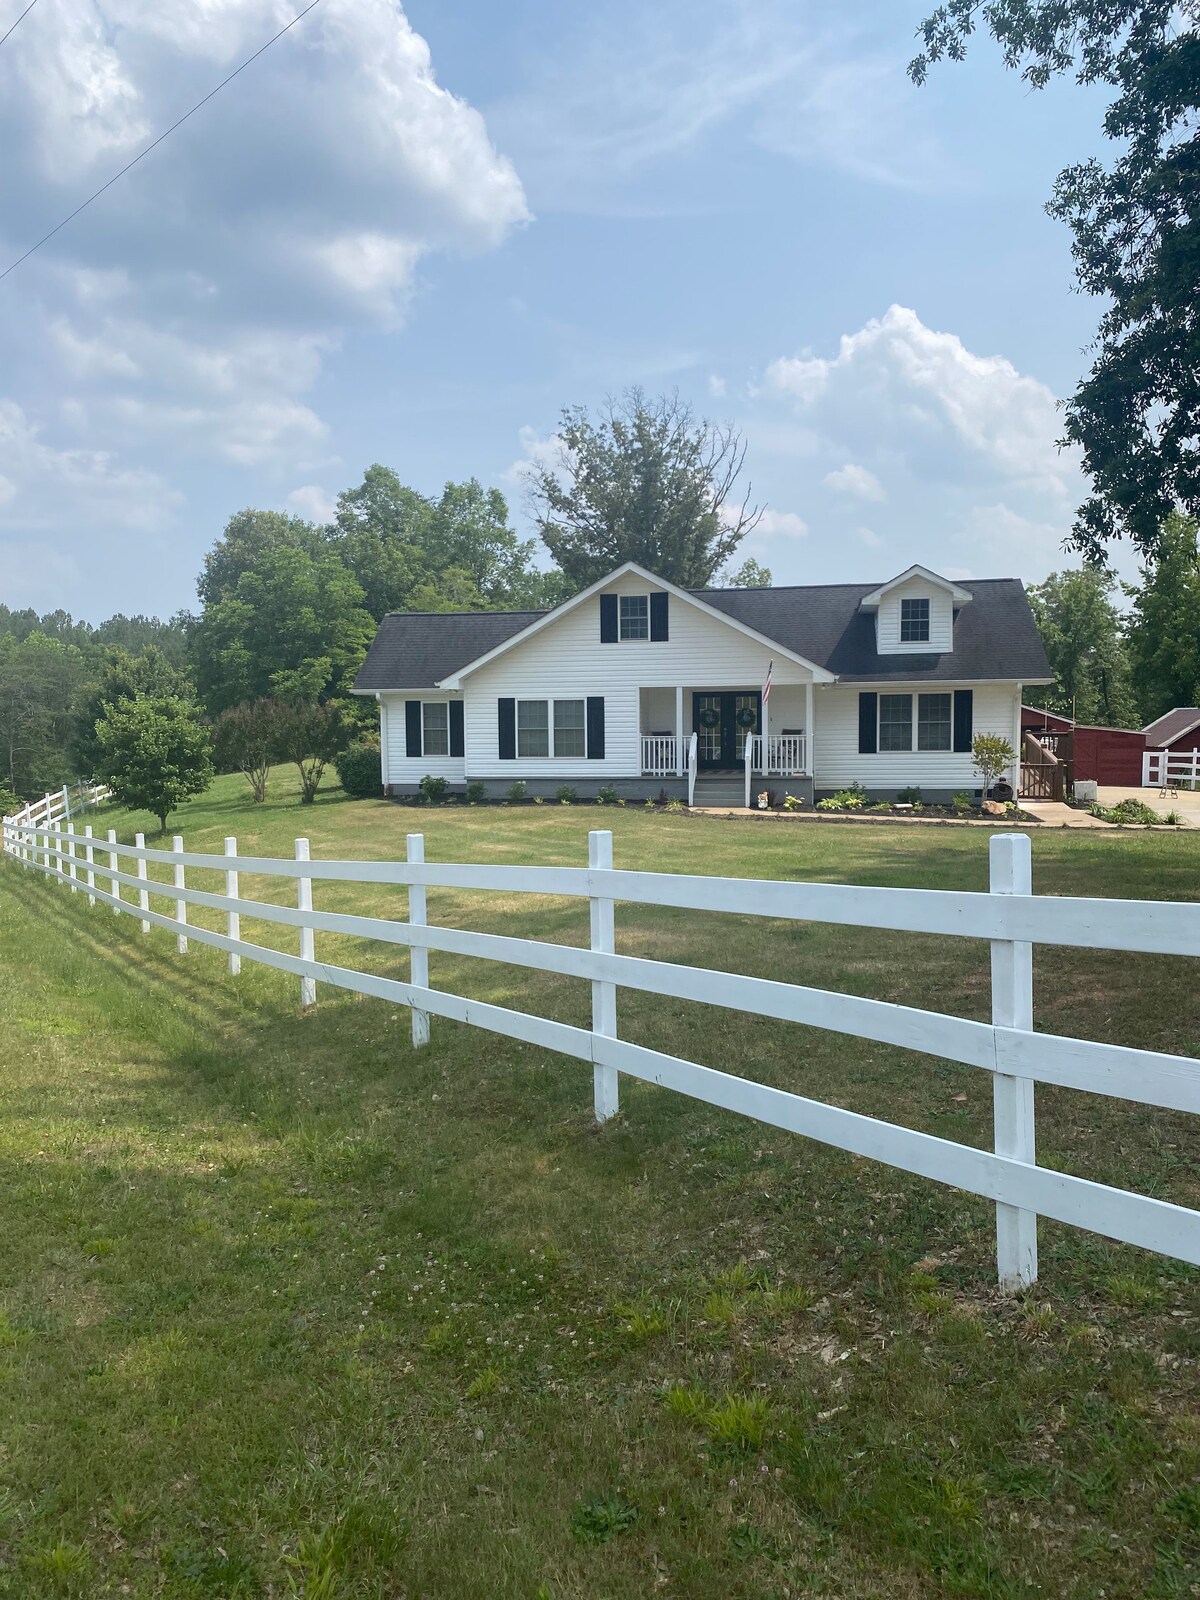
(1054, 814)
(1185, 801)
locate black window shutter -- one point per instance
(658, 615)
(456, 728)
(508, 729)
(412, 728)
(964, 715)
(608, 619)
(595, 727)
(868, 733)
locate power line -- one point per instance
(19, 20)
(299, 17)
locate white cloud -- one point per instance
(925, 390)
(869, 537)
(311, 501)
(781, 525)
(716, 385)
(855, 480)
(186, 315)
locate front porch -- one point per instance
(690, 732)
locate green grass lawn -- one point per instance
(289, 1310)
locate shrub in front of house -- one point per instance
(516, 791)
(476, 792)
(358, 770)
(565, 795)
(434, 789)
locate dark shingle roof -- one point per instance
(417, 649)
(995, 636)
(1167, 728)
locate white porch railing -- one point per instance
(775, 755)
(659, 757)
(1171, 769)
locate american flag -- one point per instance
(766, 688)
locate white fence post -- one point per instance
(419, 958)
(114, 886)
(308, 945)
(71, 856)
(90, 858)
(1012, 1098)
(605, 1093)
(180, 905)
(233, 925)
(139, 840)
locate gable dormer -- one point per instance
(914, 613)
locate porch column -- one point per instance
(808, 728)
(680, 759)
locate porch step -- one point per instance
(720, 789)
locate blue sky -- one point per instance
(413, 235)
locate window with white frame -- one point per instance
(635, 616)
(557, 727)
(935, 722)
(533, 728)
(435, 728)
(914, 621)
(895, 722)
(570, 732)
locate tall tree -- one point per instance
(292, 626)
(646, 481)
(1164, 628)
(1081, 630)
(1136, 230)
(249, 537)
(750, 575)
(39, 678)
(469, 534)
(379, 534)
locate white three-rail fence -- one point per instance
(1010, 917)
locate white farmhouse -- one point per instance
(639, 686)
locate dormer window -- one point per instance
(635, 616)
(914, 621)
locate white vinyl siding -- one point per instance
(567, 659)
(996, 708)
(941, 620)
(397, 767)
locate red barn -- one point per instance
(1178, 730)
(1103, 755)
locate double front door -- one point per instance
(722, 721)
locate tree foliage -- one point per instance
(1164, 625)
(1136, 240)
(645, 481)
(309, 735)
(292, 626)
(39, 678)
(1081, 630)
(155, 754)
(750, 575)
(119, 677)
(246, 740)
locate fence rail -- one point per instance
(1170, 768)
(1010, 917)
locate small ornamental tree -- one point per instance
(154, 754)
(993, 756)
(309, 734)
(247, 741)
